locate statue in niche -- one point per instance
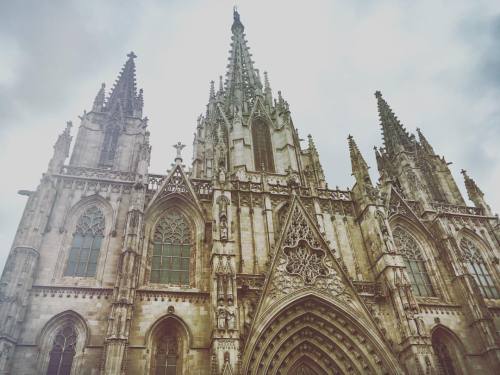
(230, 315)
(221, 316)
(223, 228)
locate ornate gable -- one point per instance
(176, 183)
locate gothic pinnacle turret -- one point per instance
(99, 99)
(475, 194)
(396, 138)
(424, 143)
(242, 79)
(358, 163)
(123, 96)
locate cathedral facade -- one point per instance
(247, 262)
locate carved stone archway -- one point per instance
(314, 336)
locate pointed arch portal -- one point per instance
(312, 337)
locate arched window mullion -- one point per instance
(86, 244)
(172, 243)
(415, 263)
(477, 268)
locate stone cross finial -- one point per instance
(179, 146)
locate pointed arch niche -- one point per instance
(168, 343)
(62, 343)
(262, 146)
(317, 336)
(449, 351)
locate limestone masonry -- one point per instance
(247, 262)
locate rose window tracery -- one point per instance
(306, 262)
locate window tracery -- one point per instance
(86, 244)
(415, 263)
(262, 146)
(476, 266)
(63, 351)
(172, 250)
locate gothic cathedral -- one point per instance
(247, 262)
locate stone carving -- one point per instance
(303, 262)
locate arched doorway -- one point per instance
(168, 345)
(313, 336)
(449, 352)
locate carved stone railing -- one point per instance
(202, 188)
(97, 173)
(455, 209)
(368, 288)
(338, 195)
(251, 282)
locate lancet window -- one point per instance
(262, 146)
(476, 266)
(86, 244)
(171, 250)
(415, 263)
(109, 144)
(63, 351)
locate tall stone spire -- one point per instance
(424, 143)
(124, 93)
(358, 163)
(396, 138)
(242, 80)
(475, 194)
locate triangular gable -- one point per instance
(303, 262)
(259, 110)
(397, 205)
(176, 182)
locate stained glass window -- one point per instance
(63, 351)
(166, 355)
(476, 266)
(171, 250)
(262, 146)
(86, 245)
(415, 263)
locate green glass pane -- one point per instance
(185, 278)
(167, 250)
(157, 249)
(80, 269)
(96, 245)
(77, 240)
(156, 264)
(185, 263)
(94, 255)
(91, 269)
(70, 269)
(176, 263)
(87, 241)
(164, 277)
(155, 276)
(74, 254)
(176, 250)
(84, 255)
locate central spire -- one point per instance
(242, 80)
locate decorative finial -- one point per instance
(178, 147)
(378, 94)
(131, 55)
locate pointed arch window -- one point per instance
(415, 263)
(262, 146)
(86, 244)
(172, 250)
(63, 351)
(476, 266)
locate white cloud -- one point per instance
(327, 57)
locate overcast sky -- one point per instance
(437, 64)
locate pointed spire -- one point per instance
(475, 194)
(61, 149)
(423, 142)
(212, 91)
(124, 92)
(242, 80)
(396, 138)
(99, 99)
(358, 163)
